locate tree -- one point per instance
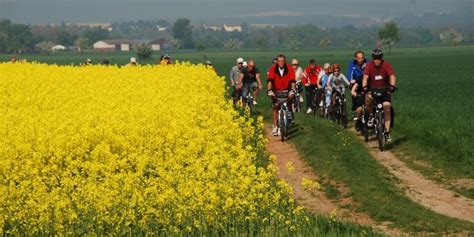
(260, 39)
(233, 44)
(200, 47)
(325, 42)
(65, 38)
(390, 34)
(144, 51)
(15, 37)
(354, 43)
(292, 43)
(81, 44)
(451, 37)
(183, 32)
(95, 34)
(45, 47)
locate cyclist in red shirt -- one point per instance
(281, 85)
(379, 75)
(310, 81)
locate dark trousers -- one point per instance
(310, 92)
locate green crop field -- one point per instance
(433, 131)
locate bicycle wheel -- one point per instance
(344, 118)
(282, 124)
(250, 104)
(380, 131)
(364, 129)
(297, 103)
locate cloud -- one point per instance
(275, 13)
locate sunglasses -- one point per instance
(241, 63)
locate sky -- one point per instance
(55, 11)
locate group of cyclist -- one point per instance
(321, 85)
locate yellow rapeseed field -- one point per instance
(147, 149)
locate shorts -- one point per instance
(280, 97)
(236, 93)
(384, 97)
(359, 100)
(248, 88)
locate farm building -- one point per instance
(113, 45)
(226, 27)
(58, 47)
(160, 44)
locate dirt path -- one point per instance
(421, 190)
(293, 169)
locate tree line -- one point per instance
(182, 34)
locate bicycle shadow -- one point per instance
(294, 131)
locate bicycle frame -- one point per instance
(379, 114)
(283, 120)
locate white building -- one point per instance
(232, 28)
(226, 27)
(58, 47)
(161, 44)
(113, 45)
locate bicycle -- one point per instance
(284, 114)
(249, 97)
(379, 116)
(297, 104)
(318, 103)
(338, 111)
(283, 120)
(362, 123)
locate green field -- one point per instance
(433, 127)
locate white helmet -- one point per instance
(240, 60)
(133, 60)
(244, 64)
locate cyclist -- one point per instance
(133, 62)
(166, 60)
(322, 84)
(310, 82)
(13, 59)
(379, 75)
(337, 82)
(88, 62)
(105, 62)
(274, 62)
(281, 87)
(298, 77)
(209, 65)
(234, 79)
(249, 81)
(354, 74)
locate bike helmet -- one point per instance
(377, 54)
(208, 63)
(167, 56)
(106, 62)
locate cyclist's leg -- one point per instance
(388, 116)
(255, 90)
(369, 100)
(328, 98)
(245, 92)
(359, 101)
(309, 96)
(275, 108)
